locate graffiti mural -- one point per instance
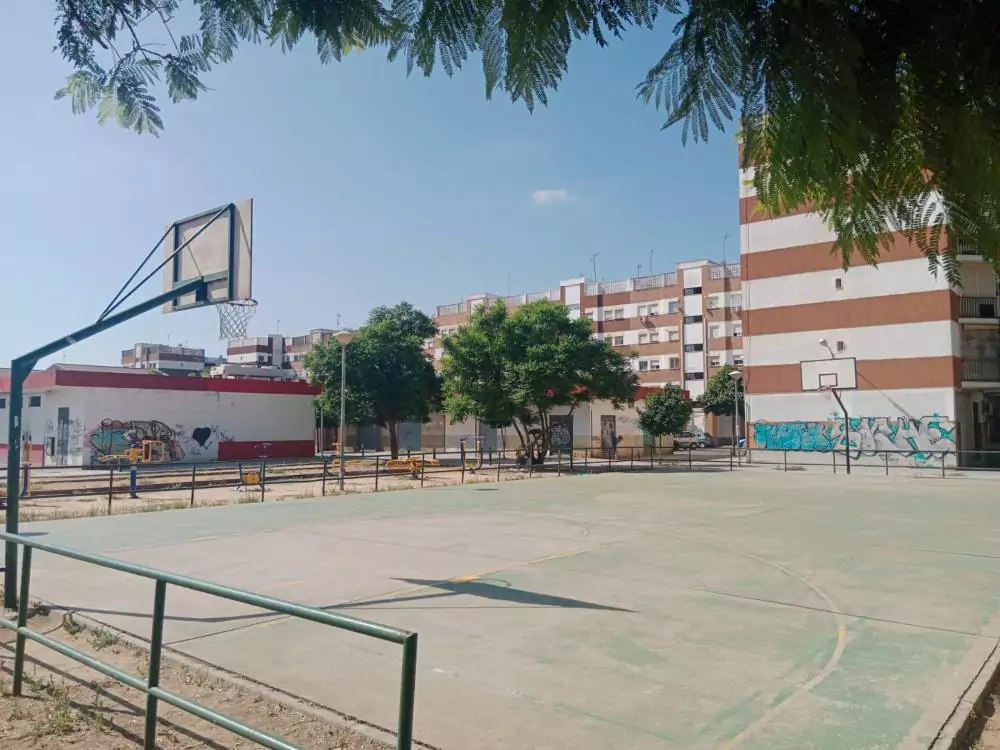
(113, 437)
(562, 433)
(916, 441)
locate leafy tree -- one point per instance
(667, 412)
(884, 116)
(513, 370)
(389, 378)
(721, 394)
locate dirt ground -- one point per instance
(985, 731)
(82, 506)
(66, 704)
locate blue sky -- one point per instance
(369, 188)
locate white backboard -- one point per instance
(217, 246)
(840, 373)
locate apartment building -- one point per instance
(276, 350)
(169, 360)
(678, 327)
(926, 354)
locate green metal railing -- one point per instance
(151, 686)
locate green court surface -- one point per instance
(695, 610)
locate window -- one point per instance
(641, 311)
(643, 338)
(713, 302)
(737, 331)
(673, 335)
(841, 346)
(654, 364)
(618, 341)
(674, 363)
(654, 309)
(694, 376)
(736, 301)
(689, 290)
(598, 337)
(694, 347)
(692, 318)
(838, 283)
(715, 360)
(673, 306)
(34, 400)
(589, 315)
(3, 403)
(715, 332)
(617, 313)
(643, 365)
(654, 336)
(738, 360)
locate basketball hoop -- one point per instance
(234, 317)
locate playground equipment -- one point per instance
(251, 478)
(477, 462)
(412, 464)
(147, 452)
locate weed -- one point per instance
(103, 638)
(70, 625)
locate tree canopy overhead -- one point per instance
(882, 115)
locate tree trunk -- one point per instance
(393, 439)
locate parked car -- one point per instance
(688, 439)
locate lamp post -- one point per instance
(343, 338)
(736, 375)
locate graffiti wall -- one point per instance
(113, 437)
(917, 442)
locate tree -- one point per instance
(721, 394)
(513, 370)
(667, 412)
(389, 377)
(883, 116)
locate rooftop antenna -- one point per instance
(593, 263)
(338, 321)
(725, 240)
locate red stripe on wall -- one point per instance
(37, 454)
(241, 450)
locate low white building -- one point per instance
(74, 415)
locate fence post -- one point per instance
(407, 690)
(423, 466)
(586, 459)
(322, 490)
(376, 473)
(943, 474)
(784, 455)
(500, 462)
(609, 458)
(731, 456)
(22, 618)
(631, 459)
(651, 466)
(462, 459)
(559, 464)
(887, 463)
(834, 460)
(111, 487)
(155, 649)
(263, 479)
(689, 458)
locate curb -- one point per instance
(955, 731)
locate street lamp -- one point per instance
(343, 338)
(736, 375)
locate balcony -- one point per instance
(980, 371)
(978, 308)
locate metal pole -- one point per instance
(408, 688)
(847, 430)
(22, 620)
(422, 465)
(376, 473)
(323, 485)
(263, 479)
(322, 433)
(194, 478)
(631, 459)
(111, 487)
(155, 650)
(343, 414)
(500, 456)
(18, 374)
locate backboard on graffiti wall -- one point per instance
(562, 433)
(837, 373)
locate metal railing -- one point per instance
(453, 309)
(981, 370)
(151, 687)
(978, 307)
(729, 271)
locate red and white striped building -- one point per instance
(928, 354)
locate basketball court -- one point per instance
(704, 610)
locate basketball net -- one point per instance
(234, 317)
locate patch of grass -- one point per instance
(103, 638)
(70, 625)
